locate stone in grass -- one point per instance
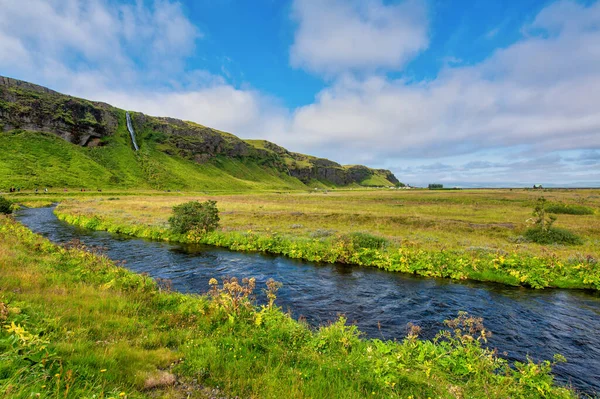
(161, 379)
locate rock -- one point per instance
(31, 107)
(28, 106)
(160, 379)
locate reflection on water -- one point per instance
(524, 322)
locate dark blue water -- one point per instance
(524, 322)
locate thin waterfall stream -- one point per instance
(131, 132)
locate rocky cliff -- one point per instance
(26, 106)
(31, 107)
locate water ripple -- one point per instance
(535, 323)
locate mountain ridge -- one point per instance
(97, 130)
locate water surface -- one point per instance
(524, 322)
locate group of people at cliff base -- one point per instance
(18, 190)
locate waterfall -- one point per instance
(131, 132)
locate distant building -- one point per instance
(537, 187)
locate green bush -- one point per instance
(552, 235)
(569, 209)
(366, 240)
(6, 207)
(195, 216)
(544, 232)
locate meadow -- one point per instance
(475, 234)
(75, 324)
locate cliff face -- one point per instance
(27, 106)
(31, 107)
(307, 168)
(192, 140)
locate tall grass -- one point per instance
(368, 250)
(569, 209)
(76, 325)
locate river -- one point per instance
(524, 322)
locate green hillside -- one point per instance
(36, 159)
(48, 139)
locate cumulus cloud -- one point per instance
(533, 100)
(220, 106)
(551, 169)
(130, 55)
(334, 36)
(540, 93)
(93, 35)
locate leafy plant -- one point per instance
(543, 232)
(554, 235)
(569, 209)
(366, 240)
(200, 217)
(5, 206)
(542, 221)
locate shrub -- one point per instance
(541, 221)
(321, 233)
(543, 232)
(366, 240)
(194, 216)
(552, 235)
(569, 209)
(6, 207)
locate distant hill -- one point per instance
(51, 139)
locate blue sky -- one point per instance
(459, 92)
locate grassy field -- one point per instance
(76, 325)
(37, 160)
(475, 234)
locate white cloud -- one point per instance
(129, 55)
(220, 106)
(94, 36)
(536, 97)
(334, 36)
(542, 93)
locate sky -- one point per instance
(458, 92)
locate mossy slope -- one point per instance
(55, 140)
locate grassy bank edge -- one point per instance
(94, 329)
(512, 269)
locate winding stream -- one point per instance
(524, 322)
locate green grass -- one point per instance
(174, 154)
(37, 160)
(376, 181)
(455, 234)
(569, 209)
(432, 220)
(75, 325)
(32, 160)
(552, 235)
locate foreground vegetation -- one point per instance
(76, 325)
(480, 235)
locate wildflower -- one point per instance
(103, 371)
(122, 394)
(213, 281)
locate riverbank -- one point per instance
(262, 223)
(78, 325)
